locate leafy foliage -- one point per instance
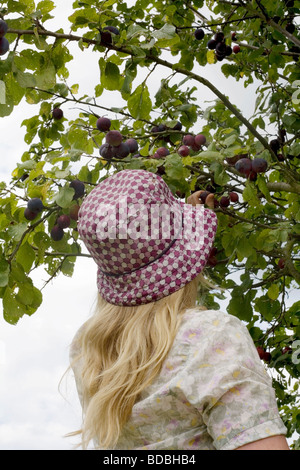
(258, 235)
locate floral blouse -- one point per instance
(213, 392)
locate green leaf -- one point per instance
(240, 304)
(25, 256)
(220, 175)
(110, 75)
(166, 36)
(139, 103)
(267, 307)
(16, 231)
(29, 296)
(4, 272)
(261, 182)
(211, 156)
(12, 309)
(273, 291)
(46, 76)
(2, 92)
(174, 167)
(244, 249)
(250, 194)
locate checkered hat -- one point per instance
(145, 242)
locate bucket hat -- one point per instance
(146, 243)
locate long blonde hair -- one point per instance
(122, 350)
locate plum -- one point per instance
(103, 124)
(79, 188)
(35, 205)
(114, 138)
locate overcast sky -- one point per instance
(34, 354)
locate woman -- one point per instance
(153, 369)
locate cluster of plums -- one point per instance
(218, 44)
(4, 44)
(248, 167)
(114, 146)
(35, 206)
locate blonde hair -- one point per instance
(122, 350)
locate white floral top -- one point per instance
(213, 391)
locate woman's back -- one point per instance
(213, 392)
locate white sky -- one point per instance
(34, 354)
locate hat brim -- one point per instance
(185, 259)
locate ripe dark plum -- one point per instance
(183, 151)
(200, 139)
(35, 205)
(133, 145)
(29, 215)
(212, 43)
(3, 28)
(122, 150)
(57, 233)
(224, 201)
(188, 139)
(57, 113)
(103, 124)
(163, 151)
(63, 221)
(4, 46)
(259, 165)
(79, 188)
(114, 138)
(244, 166)
(199, 34)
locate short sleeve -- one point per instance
(230, 386)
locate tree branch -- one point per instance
(281, 186)
(288, 260)
(166, 64)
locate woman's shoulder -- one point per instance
(211, 327)
(211, 319)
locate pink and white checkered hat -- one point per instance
(145, 242)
